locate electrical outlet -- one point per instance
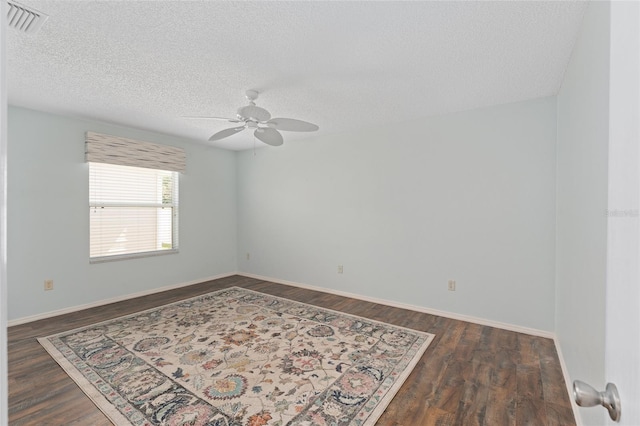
(451, 286)
(248, 256)
(340, 269)
(48, 285)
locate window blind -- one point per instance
(100, 148)
(132, 210)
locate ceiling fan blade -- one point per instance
(226, 133)
(269, 136)
(193, 117)
(291, 125)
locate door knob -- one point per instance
(586, 396)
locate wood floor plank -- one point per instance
(470, 375)
(528, 350)
(473, 404)
(437, 417)
(501, 406)
(553, 385)
(529, 382)
(531, 412)
(559, 415)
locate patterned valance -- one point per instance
(130, 152)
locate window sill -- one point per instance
(103, 259)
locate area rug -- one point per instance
(237, 357)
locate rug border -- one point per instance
(85, 385)
(381, 407)
(116, 417)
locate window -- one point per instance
(133, 210)
(133, 197)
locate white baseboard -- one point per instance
(461, 317)
(568, 383)
(452, 315)
(76, 308)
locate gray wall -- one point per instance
(48, 221)
(405, 207)
(583, 133)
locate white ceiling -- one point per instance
(341, 65)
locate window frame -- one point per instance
(174, 218)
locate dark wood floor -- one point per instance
(470, 374)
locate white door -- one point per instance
(622, 351)
(3, 234)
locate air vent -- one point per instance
(24, 18)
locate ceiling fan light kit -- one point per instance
(265, 128)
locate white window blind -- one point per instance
(132, 210)
(133, 197)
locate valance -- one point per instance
(100, 148)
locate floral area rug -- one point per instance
(237, 357)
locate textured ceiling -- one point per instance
(341, 65)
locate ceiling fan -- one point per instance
(265, 128)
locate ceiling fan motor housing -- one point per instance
(255, 113)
